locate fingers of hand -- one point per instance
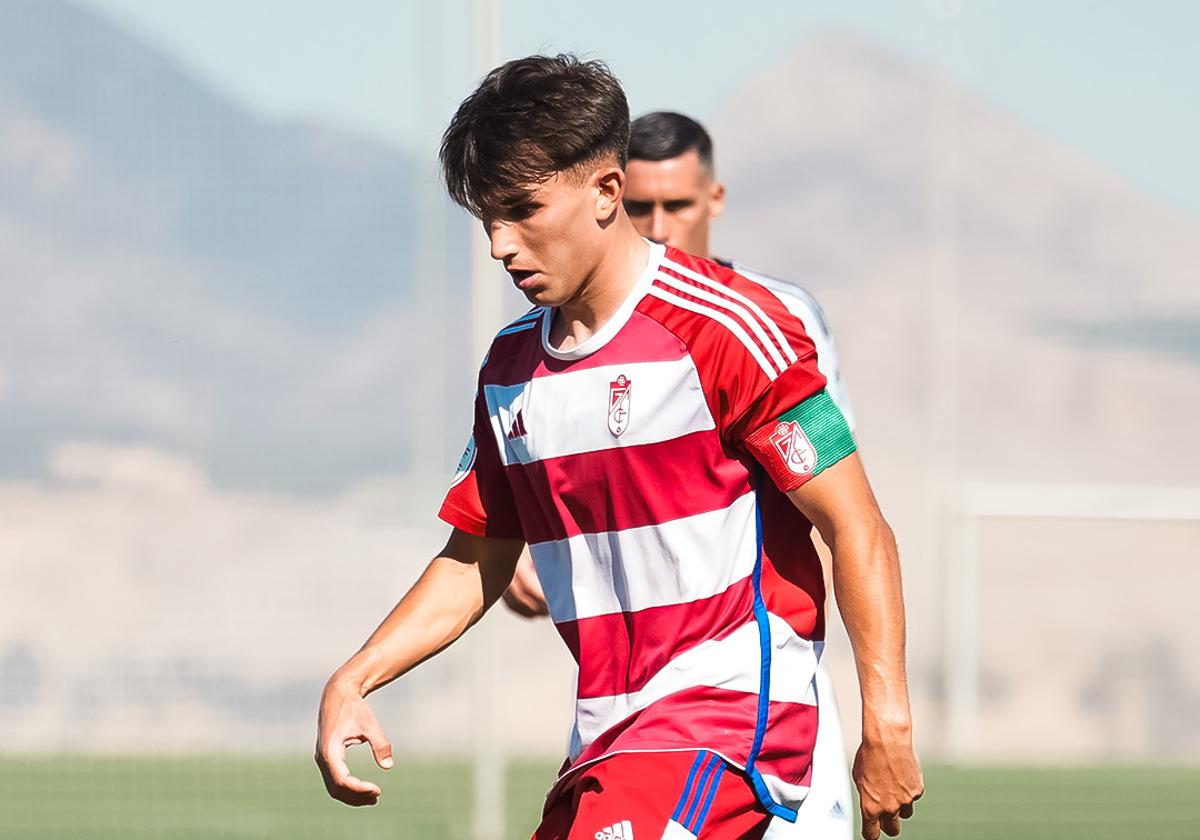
(340, 783)
(870, 827)
(381, 747)
(906, 811)
(890, 823)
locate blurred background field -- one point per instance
(247, 799)
(238, 339)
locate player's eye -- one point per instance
(638, 208)
(522, 211)
(678, 205)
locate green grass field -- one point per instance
(222, 797)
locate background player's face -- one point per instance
(674, 200)
(551, 244)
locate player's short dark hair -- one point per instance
(662, 135)
(528, 120)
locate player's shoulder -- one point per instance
(716, 310)
(513, 343)
(529, 322)
(799, 300)
(710, 273)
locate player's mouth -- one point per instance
(522, 279)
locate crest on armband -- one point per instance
(794, 448)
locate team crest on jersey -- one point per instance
(618, 405)
(794, 448)
(465, 463)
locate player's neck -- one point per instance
(602, 294)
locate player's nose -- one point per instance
(503, 240)
(658, 224)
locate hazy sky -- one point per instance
(1118, 80)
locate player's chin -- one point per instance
(542, 296)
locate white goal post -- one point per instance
(976, 502)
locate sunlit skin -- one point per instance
(674, 200)
(570, 245)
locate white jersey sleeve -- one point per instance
(805, 307)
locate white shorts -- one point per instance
(827, 813)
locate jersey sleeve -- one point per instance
(779, 409)
(801, 304)
(480, 499)
(805, 307)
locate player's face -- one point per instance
(674, 200)
(551, 242)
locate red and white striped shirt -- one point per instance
(641, 466)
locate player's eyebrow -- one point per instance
(519, 209)
(511, 203)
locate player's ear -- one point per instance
(609, 184)
(716, 199)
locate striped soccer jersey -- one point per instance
(647, 470)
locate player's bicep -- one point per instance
(837, 499)
(495, 558)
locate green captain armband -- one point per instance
(803, 441)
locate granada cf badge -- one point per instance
(618, 405)
(794, 448)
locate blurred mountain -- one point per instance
(971, 267)
(317, 222)
(181, 271)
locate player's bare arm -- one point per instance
(455, 590)
(866, 577)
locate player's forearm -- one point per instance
(866, 578)
(446, 600)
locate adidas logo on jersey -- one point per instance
(517, 429)
(837, 812)
(622, 830)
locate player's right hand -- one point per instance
(888, 776)
(345, 719)
(524, 595)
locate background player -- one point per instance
(672, 196)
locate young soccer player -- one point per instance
(640, 428)
(672, 196)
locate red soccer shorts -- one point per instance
(656, 796)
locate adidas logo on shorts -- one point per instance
(622, 830)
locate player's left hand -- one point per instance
(888, 776)
(524, 595)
